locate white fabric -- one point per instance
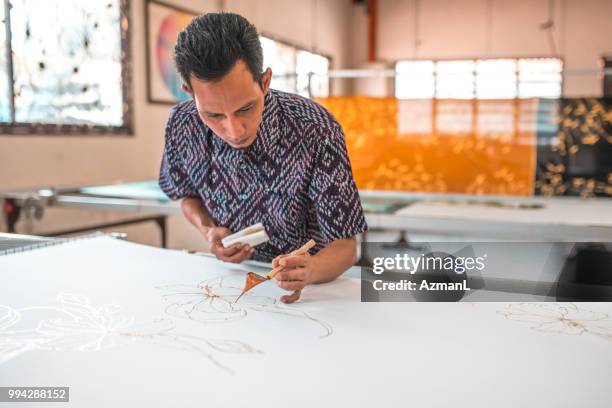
(92, 315)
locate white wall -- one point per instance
(317, 25)
(444, 29)
(321, 26)
(32, 161)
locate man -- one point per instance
(239, 153)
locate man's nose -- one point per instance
(234, 129)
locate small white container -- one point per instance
(253, 236)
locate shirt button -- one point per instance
(243, 165)
(243, 197)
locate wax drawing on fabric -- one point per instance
(564, 318)
(212, 301)
(73, 324)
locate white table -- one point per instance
(566, 219)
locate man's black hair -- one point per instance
(212, 43)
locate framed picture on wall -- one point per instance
(163, 22)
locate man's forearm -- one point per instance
(196, 214)
(334, 259)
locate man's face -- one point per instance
(233, 106)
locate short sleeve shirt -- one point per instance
(295, 178)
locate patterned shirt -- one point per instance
(295, 178)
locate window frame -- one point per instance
(50, 129)
(298, 47)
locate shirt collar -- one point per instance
(268, 133)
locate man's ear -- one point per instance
(266, 78)
(187, 89)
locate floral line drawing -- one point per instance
(212, 301)
(76, 325)
(563, 318)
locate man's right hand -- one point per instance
(235, 253)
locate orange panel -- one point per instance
(473, 147)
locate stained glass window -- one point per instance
(5, 112)
(67, 59)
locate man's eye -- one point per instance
(246, 109)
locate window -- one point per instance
(4, 84)
(487, 97)
(479, 78)
(455, 79)
(296, 70)
(539, 78)
(415, 80)
(496, 79)
(68, 67)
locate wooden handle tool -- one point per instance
(254, 279)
